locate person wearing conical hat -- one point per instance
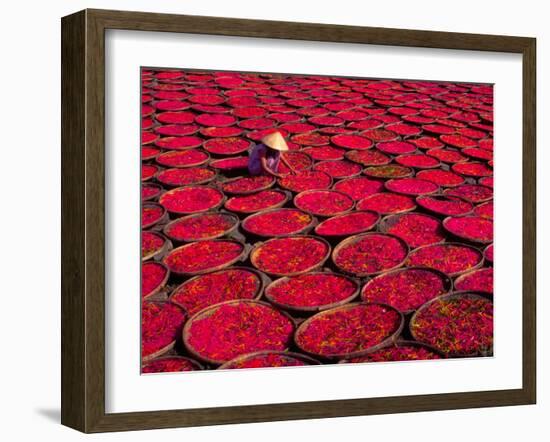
(266, 155)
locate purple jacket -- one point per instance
(258, 152)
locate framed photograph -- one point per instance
(319, 221)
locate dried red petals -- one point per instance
(201, 226)
(448, 258)
(416, 229)
(248, 184)
(161, 324)
(311, 291)
(277, 222)
(480, 280)
(226, 145)
(444, 205)
(202, 256)
(412, 186)
(348, 331)
(456, 325)
(387, 203)
(401, 352)
(185, 158)
(263, 200)
(170, 365)
(405, 289)
(183, 177)
(472, 228)
(369, 253)
(151, 243)
(306, 180)
(323, 202)
(348, 224)
(351, 141)
(237, 328)
(288, 256)
(153, 276)
(191, 199)
(268, 359)
(203, 291)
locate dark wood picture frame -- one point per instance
(83, 220)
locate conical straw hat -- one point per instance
(275, 141)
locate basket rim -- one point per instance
(247, 356)
(209, 310)
(391, 338)
(485, 253)
(400, 343)
(197, 364)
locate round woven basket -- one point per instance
(240, 359)
(325, 215)
(240, 257)
(447, 282)
(388, 340)
(196, 364)
(401, 343)
(186, 333)
(310, 309)
(353, 239)
(263, 281)
(444, 297)
(234, 220)
(302, 230)
(162, 283)
(453, 274)
(258, 245)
